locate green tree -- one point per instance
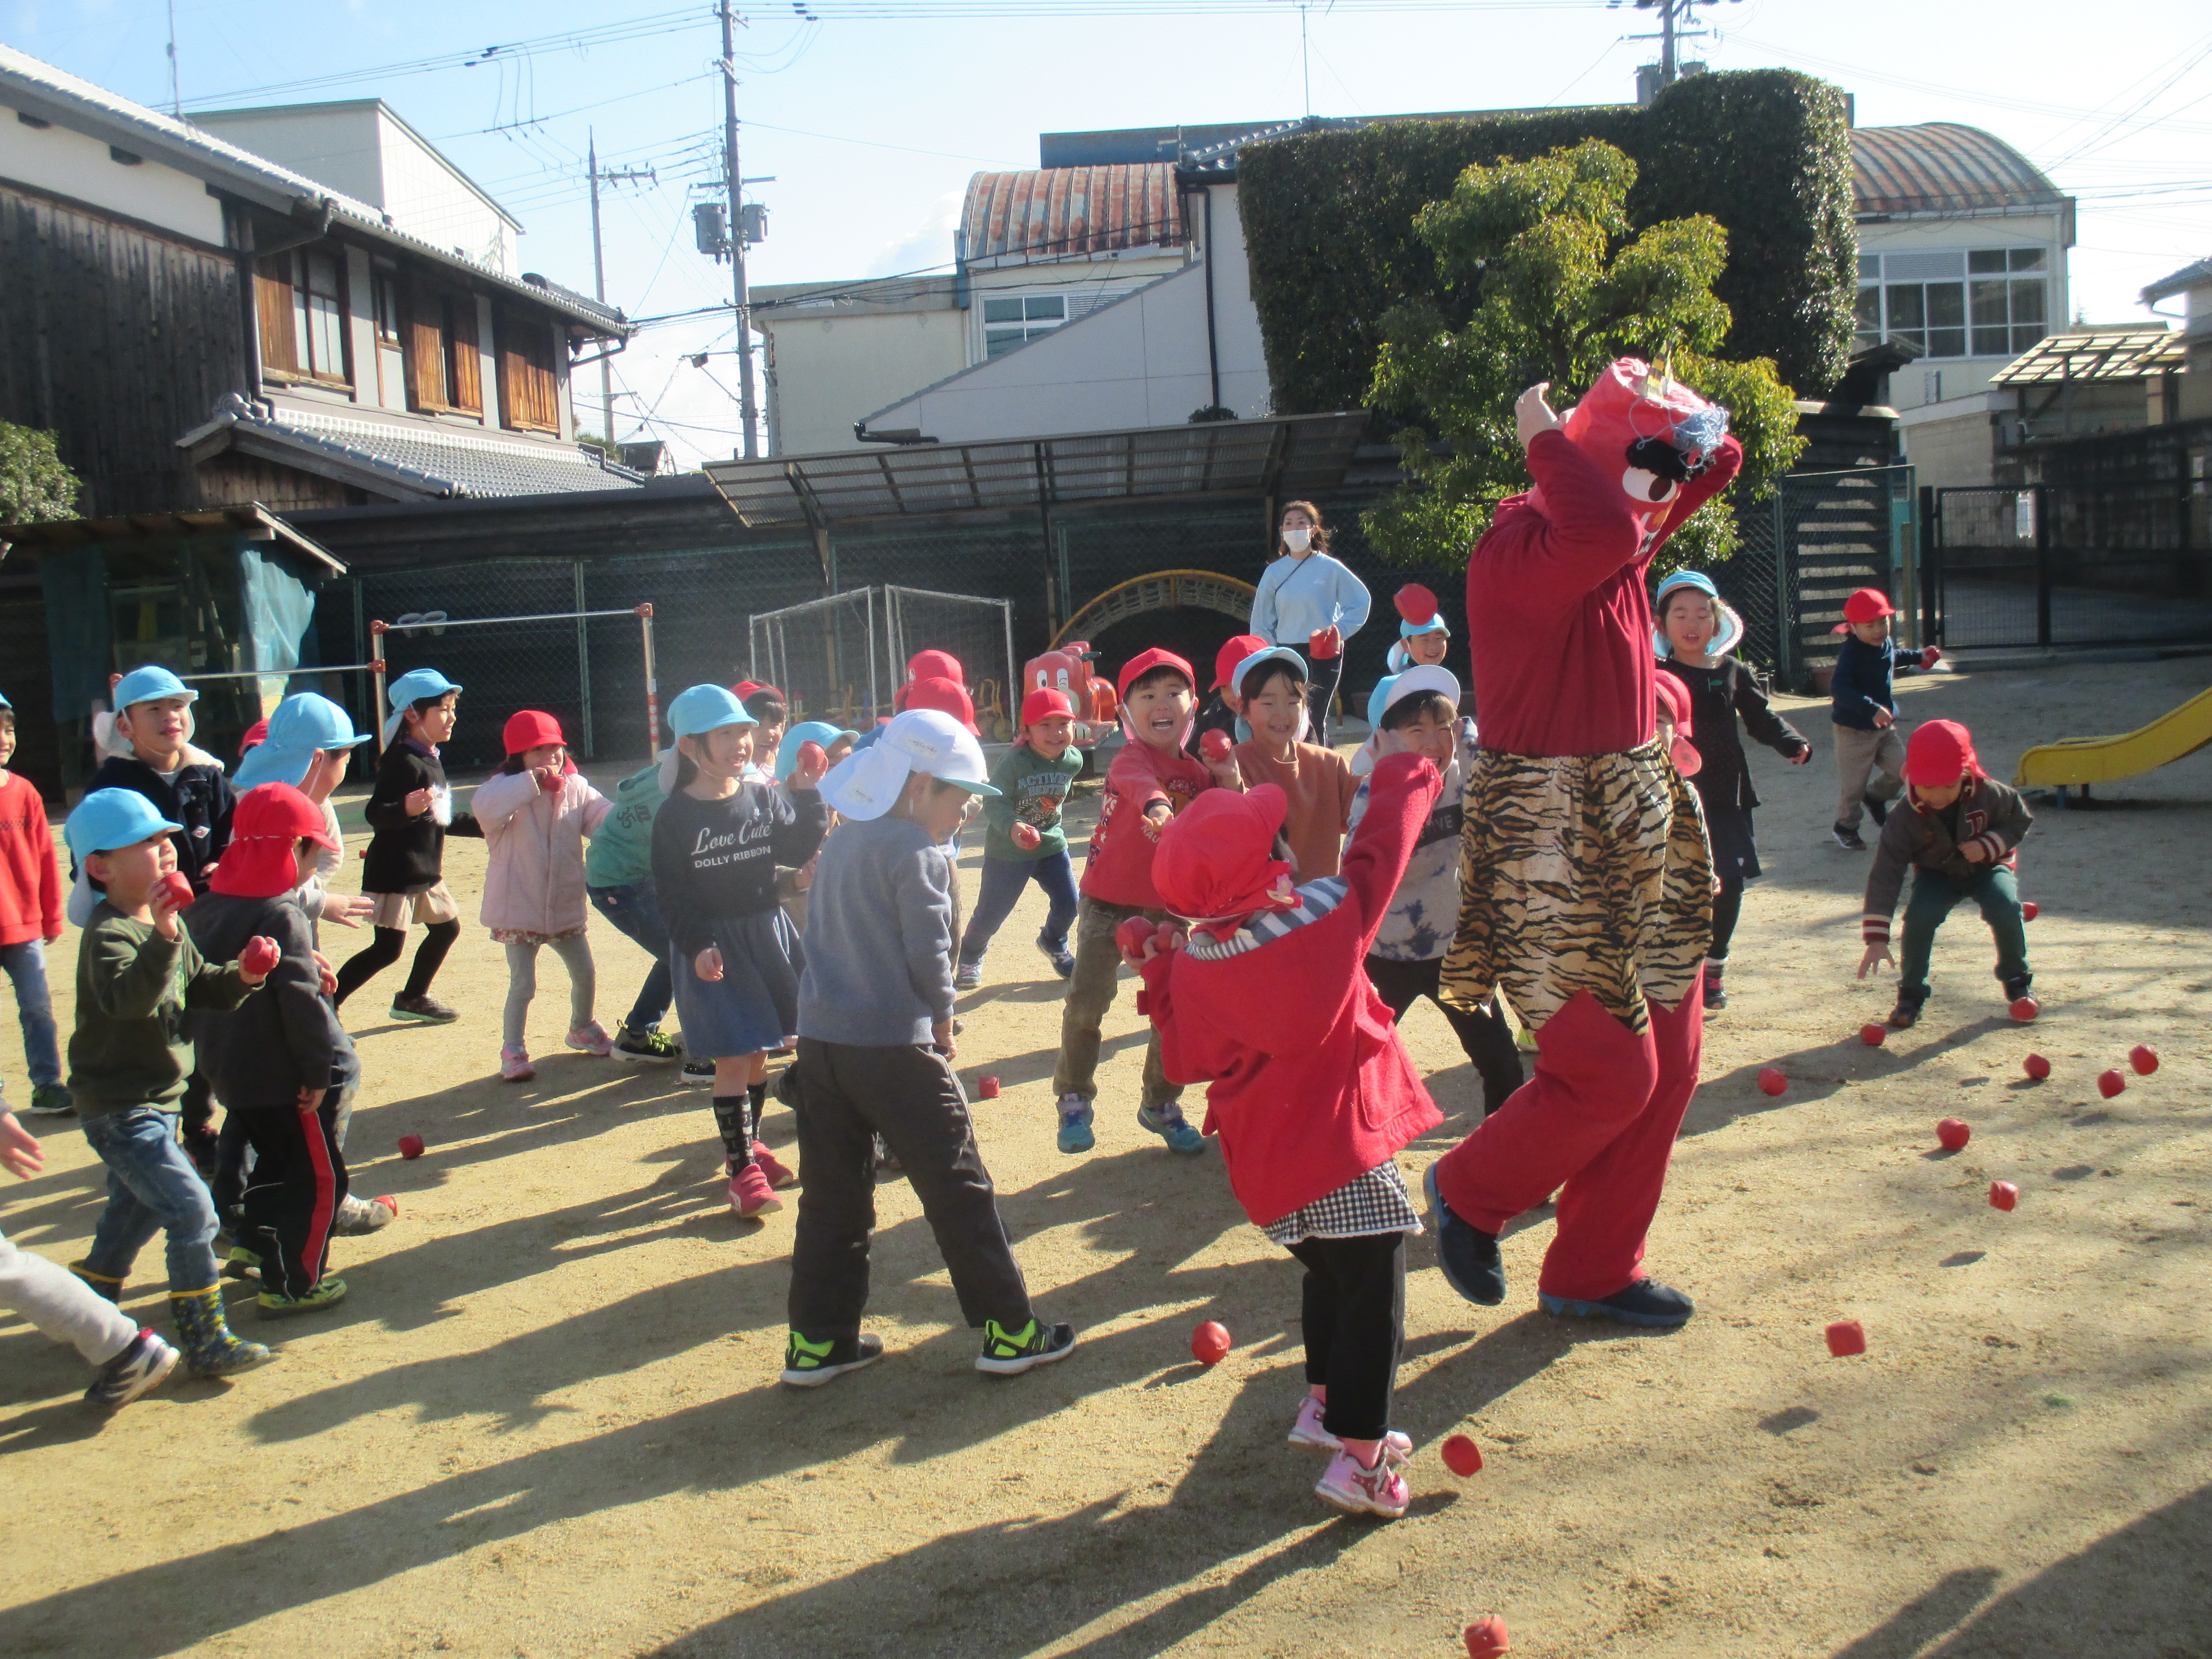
(34, 486)
(1539, 255)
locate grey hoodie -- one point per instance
(878, 938)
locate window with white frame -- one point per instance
(318, 311)
(1011, 321)
(1985, 302)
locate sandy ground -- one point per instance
(545, 1421)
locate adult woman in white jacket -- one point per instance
(1311, 603)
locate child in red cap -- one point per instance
(1022, 839)
(1151, 780)
(1960, 838)
(1869, 751)
(1309, 1087)
(1223, 710)
(536, 810)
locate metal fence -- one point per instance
(1829, 534)
(2065, 564)
(841, 658)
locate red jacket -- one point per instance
(30, 883)
(1119, 868)
(1558, 621)
(1308, 1085)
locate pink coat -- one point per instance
(536, 882)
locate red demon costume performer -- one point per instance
(1587, 893)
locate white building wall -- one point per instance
(425, 197)
(66, 163)
(1242, 352)
(1947, 380)
(1085, 284)
(833, 370)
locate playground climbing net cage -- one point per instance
(841, 659)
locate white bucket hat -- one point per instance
(867, 782)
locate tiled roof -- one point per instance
(415, 462)
(1050, 211)
(2120, 351)
(2189, 276)
(37, 88)
(1941, 167)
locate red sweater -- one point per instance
(1119, 868)
(1557, 620)
(30, 884)
(1308, 1086)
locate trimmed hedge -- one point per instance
(1328, 219)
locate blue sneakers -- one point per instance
(1644, 1301)
(1167, 1122)
(1075, 1134)
(1467, 1256)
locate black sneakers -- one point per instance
(1876, 809)
(645, 1048)
(1645, 1301)
(809, 1364)
(1847, 838)
(1009, 1354)
(1906, 1014)
(1468, 1255)
(423, 1009)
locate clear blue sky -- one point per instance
(872, 118)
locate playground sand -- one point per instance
(545, 1421)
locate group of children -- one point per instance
(1283, 906)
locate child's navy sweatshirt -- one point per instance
(1862, 683)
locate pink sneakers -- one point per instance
(592, 1039)
(1356, 1491)
(1309, 1432)
(515, 1065)
(751, 1194)
(780, 1175)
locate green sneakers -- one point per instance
(1009, 1354)
(242, 1263)
(808, 1365)
(329, 1291)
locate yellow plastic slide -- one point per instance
(2083, 760)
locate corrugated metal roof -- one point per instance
(416, 461)
(1942, 167)
(1285, 455)
(1062, 210)
(2121, 351)
(2181, 281)
(37, 88)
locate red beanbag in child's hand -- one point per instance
(1931, 657)
(549, 779)
(1323, 644)
(178, 887)
(1169, 936)
(1415, 603)
(260, 954)
(1215, 746)
(813, 764)
(1131, 938)
(1026, 837)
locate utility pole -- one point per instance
(746, 401)
(623, 176)
(176, 98)
(1667, 63)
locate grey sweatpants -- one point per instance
(575, 952)
(1866, 763)
(62, 1305)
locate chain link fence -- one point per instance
(841, 659)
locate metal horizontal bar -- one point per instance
(280, 673)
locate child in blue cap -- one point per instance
(137, 972)
(30, 920)
(1697, 631)
(734, 956)
(410, 812)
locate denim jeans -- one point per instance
(1003, 882)
(25, 965)
(636, 913)
(151, 1188)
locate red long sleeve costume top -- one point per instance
(1559, 622)
(1308, 1086)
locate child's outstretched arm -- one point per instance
(1766, 725)
(1892, 856)
(1401, 791)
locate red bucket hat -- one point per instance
(255, 734)
(1215, 864)
(1940, 752)
(1144, 661)
(1864, 607)
(1045, 703)
(945, 696)
(530, 728)
(1226, 658)
(270, 822)
(934, 665)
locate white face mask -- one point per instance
(1297, 539)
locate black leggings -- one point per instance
(1728, 906)
(1321, 675)
(1354, 1319)
(384, 949)
(1482, 1032)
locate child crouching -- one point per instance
(875, 1059)
(1310, 1089)
(1959, 833)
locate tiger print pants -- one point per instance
(1587, 901)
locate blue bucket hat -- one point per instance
(303, 725)
(820, 732)
(108, 819)
(706, 709)
(150, 684)
(1236, 675)
(5, 703)
(1731, 625)
(412, 687)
